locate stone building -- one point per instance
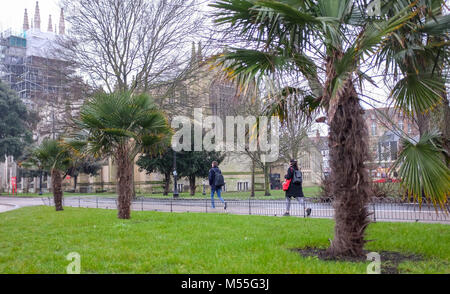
(386, 126)
(204, 89)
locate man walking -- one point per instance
(216, 181)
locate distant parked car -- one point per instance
(387, 180)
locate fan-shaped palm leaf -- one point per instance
(422, 170)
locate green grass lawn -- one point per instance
(312, 191)
(38, 239)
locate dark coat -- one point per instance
(295, 190)
(212, 177)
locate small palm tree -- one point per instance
(121, 125)
(327, 42)
(53, 157)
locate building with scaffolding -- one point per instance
(28, 65)
(43, 81)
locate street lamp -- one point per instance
(175, 175)
(204, 187)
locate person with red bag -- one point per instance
(293, 186)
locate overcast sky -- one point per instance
(11, 13)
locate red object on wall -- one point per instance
(14, 185)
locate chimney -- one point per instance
(50, 26)
(62, 25)
(26, 25)
(37, 17)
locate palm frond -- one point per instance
(421, 167)
(418, 93)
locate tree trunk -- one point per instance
(124, 180)
(266, 180)
(423, 122)
(57, 189)
(133, 186)
(75, 178)
(252, 193)
(349, 177)
(166, 184)
(27, 185)
(192, 185)
(444, 127)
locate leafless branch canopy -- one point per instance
(130, 44)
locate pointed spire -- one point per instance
(199, 52)
(37, 17)
(26, 25)
(193, 56)
(62, 25)
(50, 26)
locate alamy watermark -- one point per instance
(374, 8)
(250, 133)
(75, 266)
(375, 266)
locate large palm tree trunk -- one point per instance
(349, 177)
(124, 180)
(57, 189)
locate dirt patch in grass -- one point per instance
(390, 260)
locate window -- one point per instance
(374, 129)
(242, 186)
(306, 176)
(393, 150)
(400, 124)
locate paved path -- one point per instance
(383, 212)
(10, 203)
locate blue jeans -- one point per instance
(218, 190)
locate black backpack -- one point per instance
(297, 177)
(219, 181)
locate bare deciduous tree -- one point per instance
(130, 44)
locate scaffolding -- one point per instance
(44, 83)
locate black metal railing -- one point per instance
(381, 209)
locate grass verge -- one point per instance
(38, 239)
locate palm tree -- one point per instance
(121, 125)
(300, 37)
(416, 56)
(53, 157)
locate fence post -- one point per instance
(142, 204)
(171, 205)
(249, 206)
(206, 202)
(96, 201)
(79, 201)
(303, 204)
(374, 212)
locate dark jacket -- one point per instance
(295, 190)
(212, 176)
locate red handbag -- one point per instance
(286, 184)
